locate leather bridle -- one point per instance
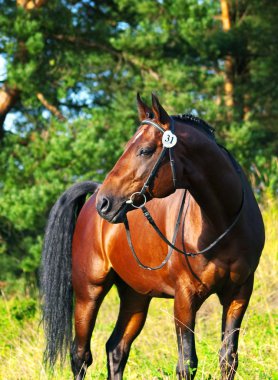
(169, 140)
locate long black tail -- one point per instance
(55, 276)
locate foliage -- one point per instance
(14, 314)
(23, 310)
(88, 60)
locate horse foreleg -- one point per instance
(185, 313)
(131, 319)
(234, 306)
(85, 314)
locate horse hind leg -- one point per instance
(131, 319)
(234, 306)
(85, 313)
(81, 356)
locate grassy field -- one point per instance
(153, 355)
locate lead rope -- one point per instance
(172, 247)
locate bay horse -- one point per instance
(202, 240)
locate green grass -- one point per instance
(153, 355)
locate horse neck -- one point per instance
(208, 173)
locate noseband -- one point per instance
(169, 140)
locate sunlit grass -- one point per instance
(153, 355)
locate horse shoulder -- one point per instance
(89, 262)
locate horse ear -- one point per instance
(144, 111)
(160, 114)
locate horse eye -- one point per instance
(146, 151)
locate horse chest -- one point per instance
(155, 284)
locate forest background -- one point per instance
(70, 71)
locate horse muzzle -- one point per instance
(111, 211)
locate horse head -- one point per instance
(128, 185)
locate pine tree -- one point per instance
(74, 68)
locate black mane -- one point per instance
(196, 122)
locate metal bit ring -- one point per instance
(131, 199)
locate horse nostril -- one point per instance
(105, 205)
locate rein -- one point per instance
(172, 247)
(169, 140)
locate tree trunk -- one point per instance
(229, 65)
(30, 4)
(8, 98)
